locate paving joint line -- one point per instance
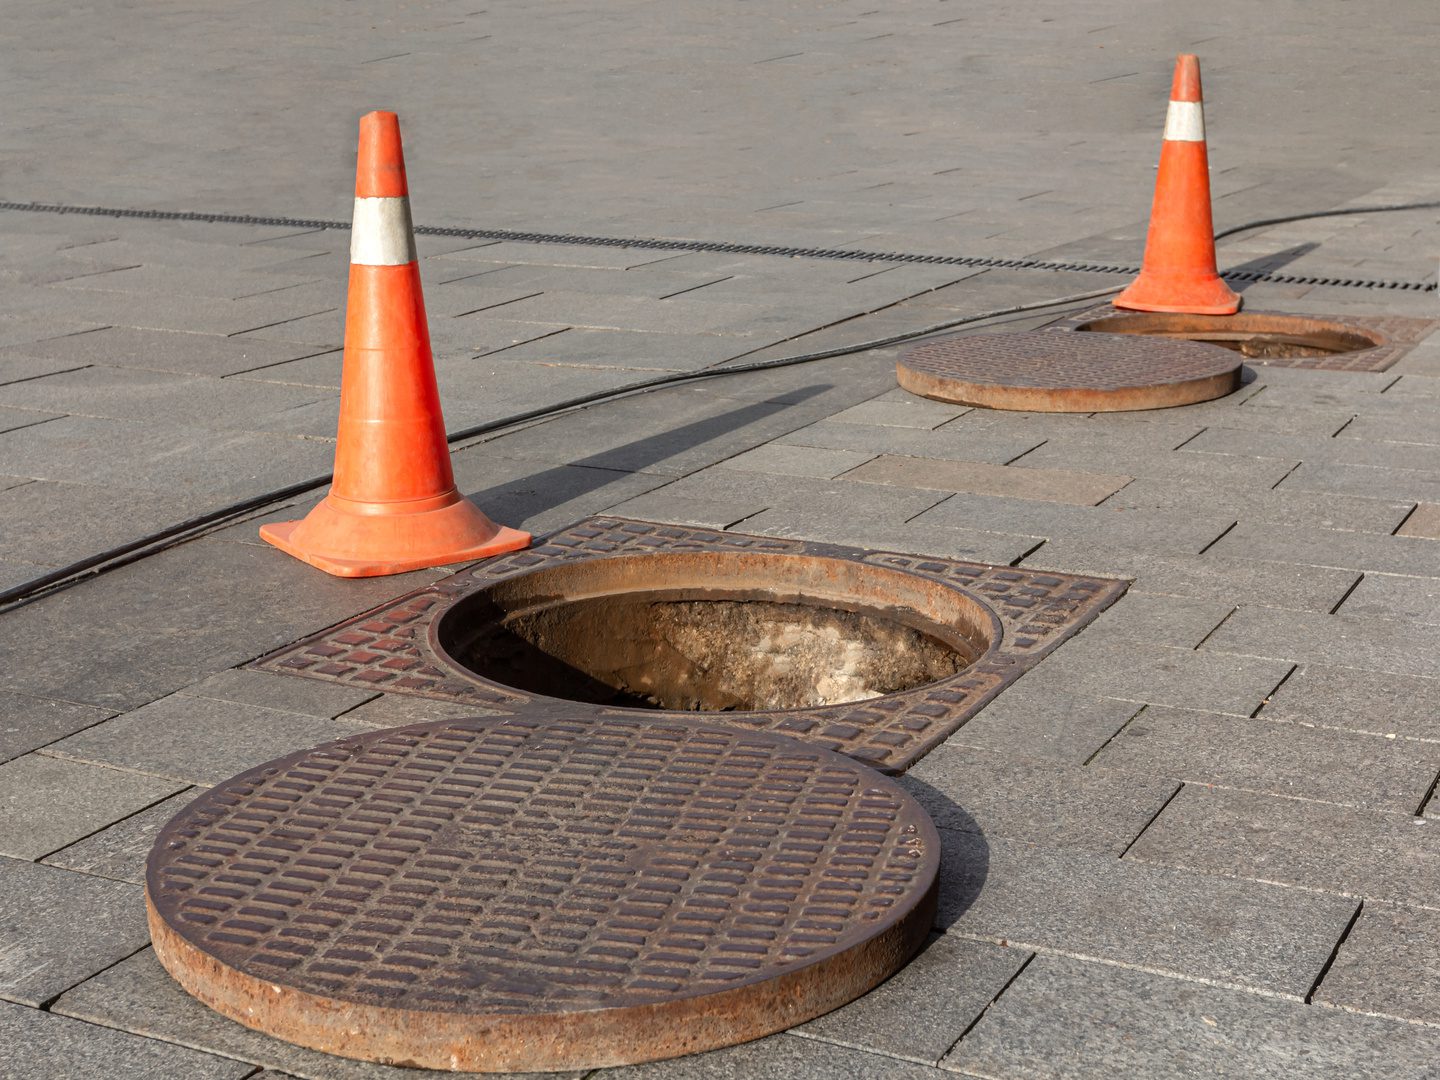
(1273, 691)
(981, 1014)
(1334, 953)
(1180, 786)
(1353, 586)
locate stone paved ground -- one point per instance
(1199, 840)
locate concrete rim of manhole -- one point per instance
(1094, 372)
(542, 892)
(1008, 618)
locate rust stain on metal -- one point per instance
(1004, 619)
(552, 891)
(1272, 338)
(1038, 372)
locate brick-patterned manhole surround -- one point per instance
(1368, 343)
(1038, 372)
(395, 647)
(542, 892)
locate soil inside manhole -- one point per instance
(712, 632)
(1256, 336)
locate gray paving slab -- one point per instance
(779, 1055)
(138, 996)
(1282, 505)
(36, 1045)
(66, 522)
(1167, 532)
(912, 413)
(1362, 853)
(15, 419)
(57, 928)
(19, 367)
(307, 696)
(220, 465)
(1359, 699)
(1392, 596)
(628, 349)
(1254, 474)
(528, 494)
(1175, 622)
(948, 443)
(1282, 585)
(1396, 484)
(660, 505)
(1237, 933)
(1276, 757)
(897, 1018)
(1326, 547)
(1157, 675)
(159, 397)
(783, 459)
(27, 723)
(1064, 1019)
(1043, 718)
(1388, 964)
(198, 740)
(839, 524)
(46, 803)
(978, 478)
(152, 627)
(119, 851)
(1060, 806)
(1405, 648)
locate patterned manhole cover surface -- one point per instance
(394, 648)
(1039, 372)
(542, 892)
(1389, 336)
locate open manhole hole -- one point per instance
(879, 655)
(716, 631)
(542, 892)
(1320, 342)
(1254, 335)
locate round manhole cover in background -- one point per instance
(542, 892)
(1094, 372)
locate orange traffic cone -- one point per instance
(393, 505)
(1179, 270)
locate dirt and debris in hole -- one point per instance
(634, 651)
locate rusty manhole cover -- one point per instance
(1316, 342)
(542, 892)
(1038, 372)
(878, 655)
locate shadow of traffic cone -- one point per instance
(393, 505)
(1179, 271)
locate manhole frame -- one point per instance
(1398, 334)
(388, 648)
(236, 878)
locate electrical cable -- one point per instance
(172, 535)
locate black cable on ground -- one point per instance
(155, 542)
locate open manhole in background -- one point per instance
(1320, 342)
(878, 655)
(1067, 373)
(542, 892)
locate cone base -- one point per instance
(1204, 297)
(347, 544)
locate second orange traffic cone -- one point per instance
(1179, 272)
(393, 505)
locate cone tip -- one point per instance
(380, 165)
(1186, 86)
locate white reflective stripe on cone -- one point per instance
(1185, 122)
(381, 234)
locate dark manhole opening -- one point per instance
(715, 632)
(1254, 335)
